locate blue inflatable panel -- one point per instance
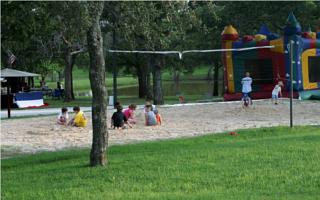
(305, 44)
(318, 35)
(272, 36)
(264, 30)
(237, 45)
(298, 63)
(291, 30)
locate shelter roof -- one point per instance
(15, 73)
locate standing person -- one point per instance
(130, 112)
(155, 111)
(151, 118)
(246, 85)
(276, 91)
(80, 119)
(63, 116)
(119, 118)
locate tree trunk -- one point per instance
(68, 75)
(98, 155)
(176, 75)
(72, 65)
(60, 76)
(223, 85)
(215, 78)
(140, 80)
(149, 93)
(209, 72)
(144, 82)
(43, 81)
(157, 81)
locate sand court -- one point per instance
(34, 135)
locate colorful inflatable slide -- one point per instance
(267, 66)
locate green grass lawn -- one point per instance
(265, 163)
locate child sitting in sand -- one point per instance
(118, 118)
(155, 111)
(246, 102)
(130, 112)
(151, 118)
(63, 116)
(276, 91)
(80, 119)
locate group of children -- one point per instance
(246, 91)
(152, 116)
(79, 120)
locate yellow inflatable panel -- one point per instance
(229, 30)
(278, 45)
(305, 69)
(259, 37)
(230, 67)
(313, 35)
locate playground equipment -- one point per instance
(267, 66)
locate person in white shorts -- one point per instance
(276, 91)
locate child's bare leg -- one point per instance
(160, 120)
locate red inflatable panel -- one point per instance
(305, 35)
(313, 43)
(232, 37)
(247, 38)
(257, 95)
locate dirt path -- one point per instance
(33, 135)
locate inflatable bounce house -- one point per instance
(268, 65)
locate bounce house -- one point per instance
(268, 65)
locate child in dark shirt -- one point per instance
(119, 118)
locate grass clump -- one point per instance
(265, 163)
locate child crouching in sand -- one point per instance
(130, 112)
(63, 116)
(151, 119)
(119, 118)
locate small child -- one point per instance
(151, 119)
(276, 91)
(155, 111)
(246, 101)
(130, 112)
(63, 116)
(118, 118)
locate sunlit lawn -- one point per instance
(265, 163)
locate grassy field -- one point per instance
(81, 80)
(265, 163)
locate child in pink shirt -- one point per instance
(130, 112)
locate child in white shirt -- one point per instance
(276, 91)
(63, 116)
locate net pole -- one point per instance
(291, 81)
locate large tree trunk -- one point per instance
(215, 78)
(149, 93)
(157, 81)
(68, 74)
(98, 155)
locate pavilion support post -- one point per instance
(8, 96)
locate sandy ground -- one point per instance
(34, 135)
